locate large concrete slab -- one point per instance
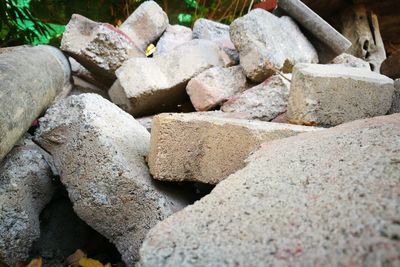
(100, 153)
(332, 94)
(267, 44)
(206, 148)
(147, 86)
(326, 198)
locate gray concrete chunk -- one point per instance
(326, 198)
(207, 148)
(99, 47)
(25, 188)
(332, 94)
(146, 24)
(262, 102)
(268, 44)
(100, 153)
(146, 86)
(174, 36)
(214, 86)
(396, 98)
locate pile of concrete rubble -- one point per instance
(296, 135)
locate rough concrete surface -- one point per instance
(174, 36)
(267, 44)
(396, 98)
(326, 198)
(262, 102)
(100, 153)
(332, 94)
(146, 24)
(214, 86)
(206, 148)
(99, 47)
(25, 188)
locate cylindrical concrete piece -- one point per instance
(30, 80)
(316, 25)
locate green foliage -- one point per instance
(18, 26)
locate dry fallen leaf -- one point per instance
(73, 260)
(86, 262)
(35, 262)
(302, 122)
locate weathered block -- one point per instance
(332, 94)
(396, 98)
(350, 61)
(146, 24)
(326, 198)
(174, 36)
(99, 47)
(217, 32)
(212, 87)
(204, 148)
(146, 86)
(25, 188)
(262, 102)
(31, 78)
(268, 44)
(100, 153)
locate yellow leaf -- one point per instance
(150, 50)
(73, 260)
(35, 262)
(86, 262)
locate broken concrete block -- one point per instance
(212, 87)
(268, 44)
(31, 79)
(174, 36)
(262, 102)
(100, 153)
(201, 148)
(147, 86)
(350, 61)
(217, 32)
(396, 98)
(146, 24)
(332, 94)
(326, 198)
(25, 188)
(146, 122)
(80, 71)
(99, 47)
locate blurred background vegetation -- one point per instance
(43, 21)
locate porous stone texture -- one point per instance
(31, 79)
(100, 153)
(99, 47)
(332, 94)
(146, 24)
(326, 198)
(173, 36)
(214, 86)
(146, 86)
(204, 148)
(262, 102)
(396, 98)
(146, 122)
(267, 44)
(25, 188)
(216, 32)
(350, 61)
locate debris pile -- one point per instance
(299, 139)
